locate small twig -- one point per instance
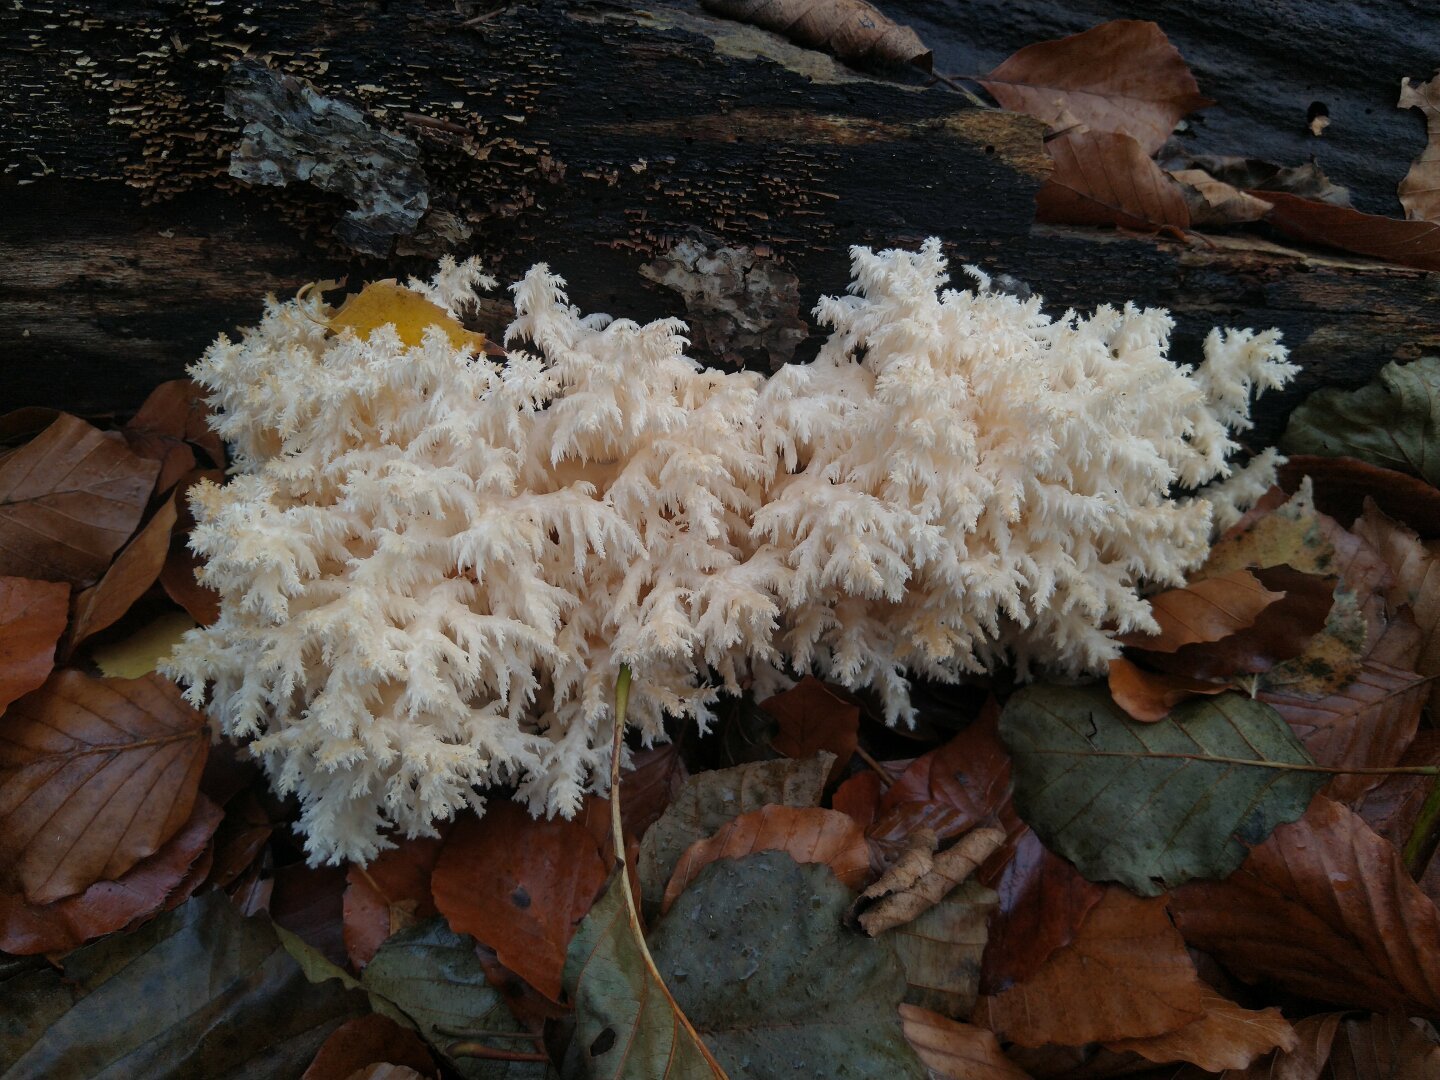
(969, 95)
(475, 1033)
(887, 777)
(489, 1053)
(420, 120)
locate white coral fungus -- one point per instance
(432, 564)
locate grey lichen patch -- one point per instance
(294, 133)
(738, 301)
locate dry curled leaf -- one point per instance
(1409, 243)
(366, 1041)
(68, 499)
(1106, 178)
(1126, 975)
(1325, 908)
(32, 618)
(902, 895)
(952, 1050)
(1420, 190)
(1205, 610)
(1226, 1037)
(1213, 203)
(852, 30)
(95, 775)
(1148, 696)
(1122, 76)
(133, 571)
(807, 834)
(1259, 177)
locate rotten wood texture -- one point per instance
(165, 163)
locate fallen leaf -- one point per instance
(1152, 805)
(859, 797)
(519, 885)
(108, 906)
(138, 655)
(1420, 190)
(710, 799)
(1226, 1037)
(852, 30)
(68, 499)
(627, 1024)
(1324, 908)
(369, 1040)
(1313, 1038)
(1107, 178)
(1409, 243)
(95, 775)
(1393, 422)
(812, 719)
(1260, 177)
(389, 895)
(901, 896)
(173, 418)
(178, 575)
(1342, 484)
(1122, 76)
(241, 838)
(1392, 807)
(755, 954)
(955, 1051)
(1126, 975)
(1149, 696)
(940, 950)
(32, 618)
(1416, 569)
(1367, 724)
(1043, 902)
(1213, 203)
(185, 995)
(807, 834)
(1204, 610)
(308, 901)
(388, 303)
(1383, 1046)
(432, 975)
(132, 572)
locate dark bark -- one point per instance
(594, 136)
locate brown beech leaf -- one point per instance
(811, 719)
(68, 499)
(177, 576)
(1126, 975)
(900, 896)
(859, 797)
(369, 1040)
(95, 775)
(32, 618)
(1325, 908)
(952, 1050)
(1261, 177)
(1366, 724)
(969, 777)
(1409, 243)
(1121, 76)
(520, 886)
(387, 896)
(132, 572)
(1043, 902)
(1213, 203)
(1226, 1037)
(309, 902)
(1314, 1036)
(807, 834)
(1383, 1046)
(172, 418)
(1420, 190)
(1148, 696)
(1342, 484)
(852, 30)
(107, 906)
(1205, 610)
(1416, 569)
(1392, 807)
(1106, 178)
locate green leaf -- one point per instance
(200, 991)
(941, 949)
(755, 953)
(432, 975)
(625, 1023)
(1394, 421)
(710, 799)
(1148, 805)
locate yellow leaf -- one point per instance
(386, 302)
(137, 655)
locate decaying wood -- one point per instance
(663, 160)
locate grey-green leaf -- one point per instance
(200, 991)
(755, 953)
(432, 975)
(1393, 421)
(625, 1026)
(1146, 804)
(710, 799)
